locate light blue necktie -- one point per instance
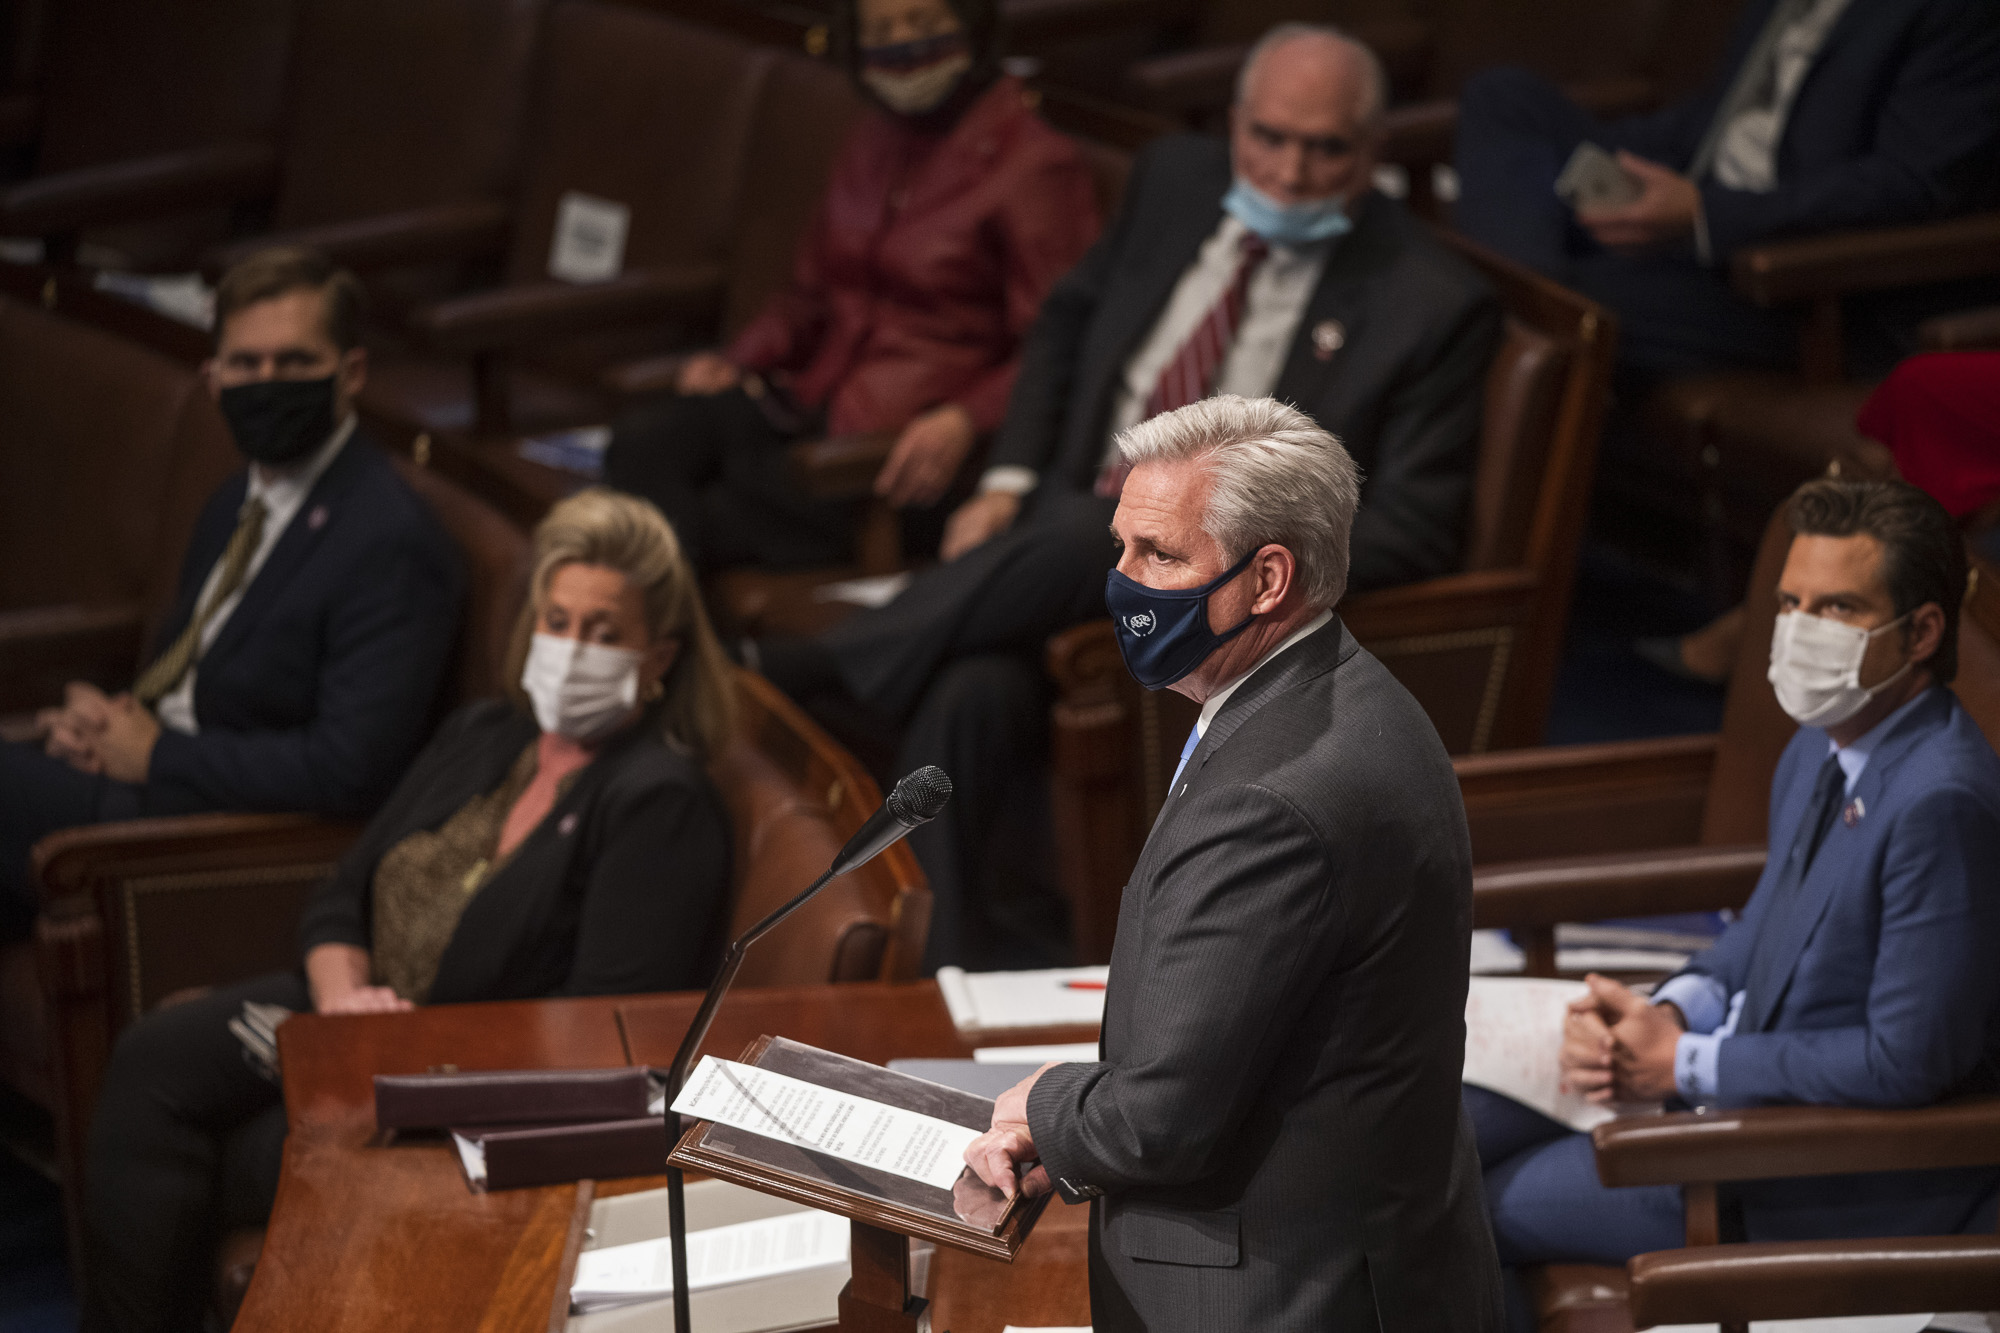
(1194, 739)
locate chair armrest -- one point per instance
(1784, 272)
(142, 187)
(1815, 1279)
(44, 648)
(540, 312)
(840, 467)
(1035, 23)
(1589, 888)
(644, 376)
(1572, 800)
(73, 860)
(20, 117)
(1768, 1142)
(1454, 602)
(1967, 329)
(466, 229)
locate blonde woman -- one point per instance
(566, 841)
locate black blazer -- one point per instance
(322, 682)
(1898, 121)
(1404, 392)
(623, 887)
(1275, 1123)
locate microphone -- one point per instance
(914, 801)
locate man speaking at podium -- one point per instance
(1271, 1137)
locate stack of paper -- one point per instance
(718, 1257)
(1513, 1046)
(1053, 997)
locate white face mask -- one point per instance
(580, 690)
(1816, 668)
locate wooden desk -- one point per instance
(367, 1237)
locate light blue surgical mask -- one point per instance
(1287, 224)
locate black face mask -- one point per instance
(276, 422)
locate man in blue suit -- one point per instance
(1865, 970)
(318, 603)
(1826, 115)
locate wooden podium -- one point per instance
(884, 1210)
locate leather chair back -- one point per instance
(1523, 395)
(111, 451)
(396, 104)
(795, 798)
(1565, 40)
(644, 111)
(125, 78)
(804, 111)
(498, 557)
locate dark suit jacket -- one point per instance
(623, 887)
(321, 684)
(1275, 1121)
(1403, 393)
(1893, 951)
(1898, 121)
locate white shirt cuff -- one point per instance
(1702, 1000)
(1695, 1057)
(1008, 480)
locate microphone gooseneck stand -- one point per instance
(916, 800)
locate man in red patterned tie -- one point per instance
(1262, 266)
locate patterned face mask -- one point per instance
(914, 77)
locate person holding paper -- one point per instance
(564, 841)
(1272, 1135)
(1862, 971)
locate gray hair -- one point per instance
(1375, 95)
(1278, 479)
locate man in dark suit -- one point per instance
(1270, 1136)
(1260, 266)
(1825, 115)
(1861, 972)
(318, 603)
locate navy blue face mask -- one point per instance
(1163, 633)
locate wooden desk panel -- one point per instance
(383, 1238)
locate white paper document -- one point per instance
(854, 1129)
(1513, 1046)
(589, 240)
(874, 592)
(1051, 997)
(720, 1256)
(1886, 1323)
(1065, 1053)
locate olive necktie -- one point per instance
(159, 679)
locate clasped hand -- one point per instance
(1618, 1046)
(98, 733)
(998, 1155)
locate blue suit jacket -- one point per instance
(1893, 993)
(1898, 121)
(321, 684)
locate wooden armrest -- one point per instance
(840, 467)
(1955, 333)
(1571, 800)
(1784, 272)
(44, 648)
(74, 860)
(1034, 23)
(1447, 605)
(443, 231)
(1768, 1142)
(644, 376)
(1589, 888)
(1815, 1279)
(542, 312)
(143, 187)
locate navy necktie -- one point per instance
(1770, 961)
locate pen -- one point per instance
(1083, 985)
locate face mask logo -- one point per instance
(1816, 668)
(584, 691)
(276, 422)
(1163, 633)
(914, 77)
(1306, 223)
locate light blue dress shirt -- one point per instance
(1710, 1010)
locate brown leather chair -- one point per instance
(1479, 649)
(661, 117)
(400, 123)
(135, 94)
(1582, 833)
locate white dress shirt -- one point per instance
(1272, 307)
(282, 491)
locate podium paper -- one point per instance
(717, 1256)
(1513, 1046)
(854, 1129)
